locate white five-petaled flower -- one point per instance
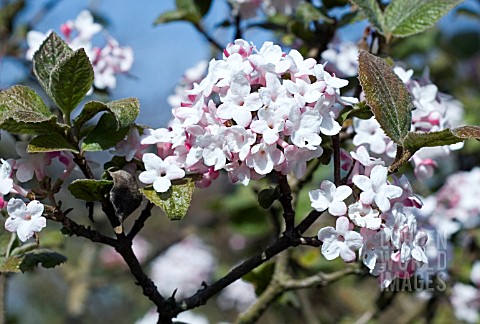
(25, 219)
(376, 188)
(340, 241)
(331, 197)
(159, 172)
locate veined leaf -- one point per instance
(50, 143)
(23, 111)
(89, 189)
(415, 141)
(407, 17)
(175, 201)
(373, 12)
(387, 95)
(104, 135)
(52, 51)
(125, 111)
(70, 80)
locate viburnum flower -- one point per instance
(23, 219)
(159, 172)
(331, 197)
(364, 216)
(340, 241)
(30, 163)
(6, 182)
(376, 188)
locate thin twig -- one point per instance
(140, 221)
(212, 41)
(286, 201)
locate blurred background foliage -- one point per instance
(227, 218)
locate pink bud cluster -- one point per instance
(256, 111)
(108, 61)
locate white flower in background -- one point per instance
(465, 300)
(189, 317)
(330, 197)
(183, 266)
(159, 172)
(239, 295)
(23, 219)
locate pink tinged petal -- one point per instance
(37, 223)
(337, 208)
(419, 255)
(24, 172)
(16, 208)
(318, 200)
(148, 177)
(242, 117)
(391, 191)
(328, 188)
(369, 259)
(367, 197)
(373, 223)
(330, 126)
(175, 172)
(24, 231)
(327, 234)
(11, 224)
(151, 161)
(35, 208)
(382, 202)
(405, 253)
(331, 249)
(354, 240)
(378, 177)
(346, 254)
(335, 82)
(342, 225)
(362, 182)
(342, 193)
(161, 184)
(270, 136)
(5, 186)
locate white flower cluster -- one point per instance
(107, 62)
(257, 110)
(386, 234)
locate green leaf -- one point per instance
(407, 17)
(90, 110)
(373, 12)
(10, 264)
(267, 197)
(415, 141)
(50, 143)
(52, 51)
(104, 135)
(89, 189)
(47, 258)
(387, 95)
(125, 111)
(175, 201)
(307, 13)
(174, 15)
(70, 80)
(23, 111)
